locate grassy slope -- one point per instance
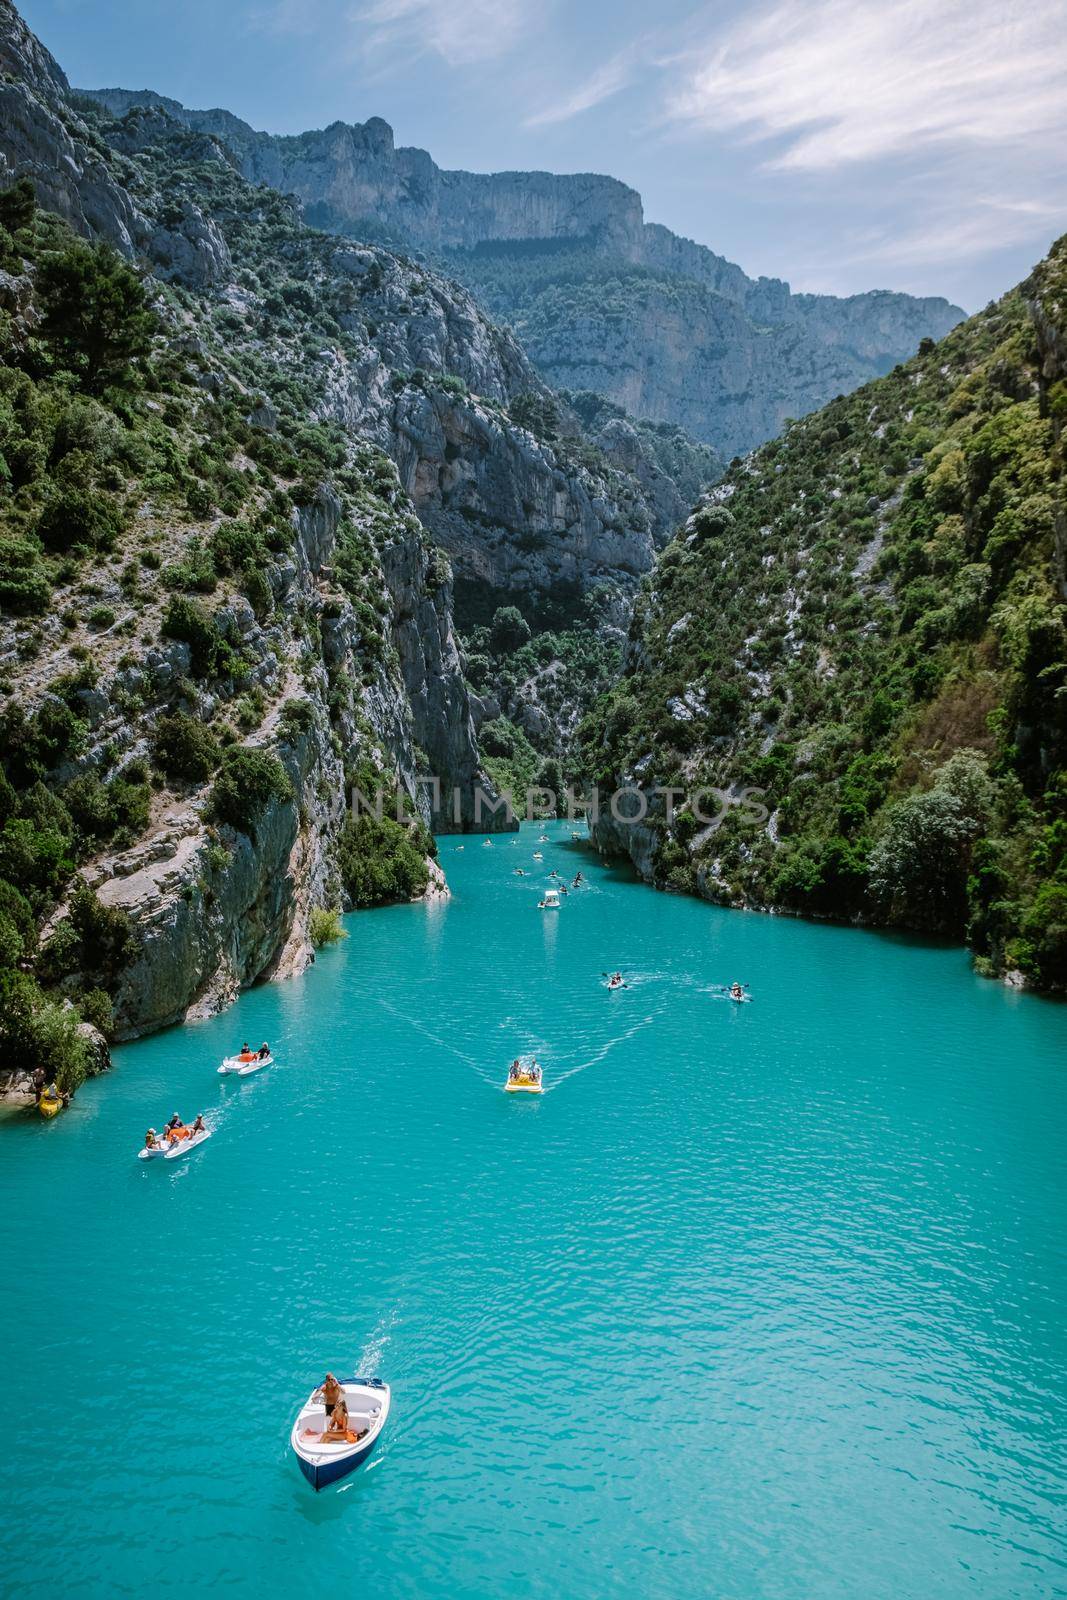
(859, 603)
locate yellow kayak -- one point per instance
(49, 1104)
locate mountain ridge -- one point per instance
(746, 352)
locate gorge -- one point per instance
(287, 512)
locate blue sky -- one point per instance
(841, 144)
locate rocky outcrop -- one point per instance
(695, 341)
(73, 173)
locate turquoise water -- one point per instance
(764, 1300)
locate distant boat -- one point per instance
(324, 1463)
(49, 1103)
(551, 902)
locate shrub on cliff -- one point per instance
(380, 861)
(25, 588)
(184, 749)
(76, 518)
(210, 655)
(325, 927)
(247, 782)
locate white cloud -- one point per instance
(945, 119)
(844, 81)
(607, 80)
(461, 31)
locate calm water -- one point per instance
(763, 1300)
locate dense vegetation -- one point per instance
(537, 685)
(867, 620)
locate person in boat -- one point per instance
(577, 884)
(151, 1142)
(338, 1430)
(264, 1050)
(198, 1126)
(174, 1124)
(330, 1393)
(247, 1053)
(736, 992)
(514, 1071)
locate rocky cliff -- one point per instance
(600, 298)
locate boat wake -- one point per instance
(443, 1044)
(605, 1050)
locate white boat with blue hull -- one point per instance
(327, 1461)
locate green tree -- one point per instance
(96, 317)
(184, 749)
(380, 861)
(509, 631)
(247, 782)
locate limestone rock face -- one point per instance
(697, 343)
(45, 140)
(214, 909)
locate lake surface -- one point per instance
(765, 1300)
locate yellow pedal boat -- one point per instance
(526, 1079)
(49, 1104)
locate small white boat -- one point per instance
(537, 855)
(551, 902)
(168, 1152)
(322, 1462)
(245, 1069)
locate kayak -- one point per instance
(322, 1462)
(244, 1069)
(49, 1104)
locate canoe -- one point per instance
(368, 1406)
(48, 1105)
(244, 1069)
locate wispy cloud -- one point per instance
(282, 17)
(951, 114)
(608, 79)
(460, 31)
(843, 81)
